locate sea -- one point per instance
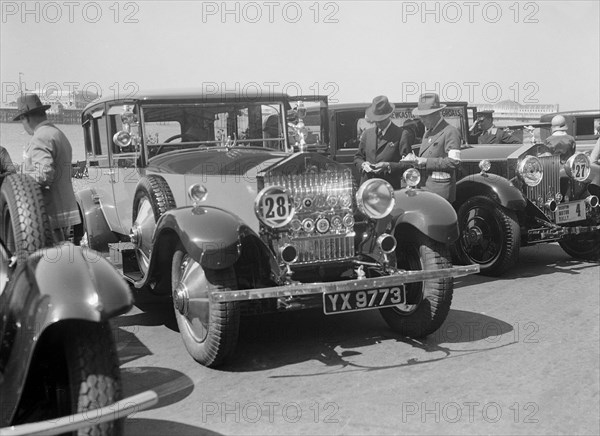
(14, 138)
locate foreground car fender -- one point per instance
(491, 185)
(54, 285)
(94, 223)
(431, 214)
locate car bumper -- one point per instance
(354, 285)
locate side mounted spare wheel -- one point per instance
(153, 197)
(25, 225)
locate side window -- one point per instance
(99, 141)
(87, 138)
(349, 128)
(587, 126)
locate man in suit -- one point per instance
(489, 133)
(380, 144)
(47, 159)
(439, 153)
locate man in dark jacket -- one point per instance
(490, 134)
(380, 144)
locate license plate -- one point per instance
(568, 212)
(338, 302)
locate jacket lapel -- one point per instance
(428, 141)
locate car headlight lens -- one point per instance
(578, 167)
(274, 207)
(412, 177)
(531, 171)
(122, 138)
(375, 198)
(197, 193)
(485, 165)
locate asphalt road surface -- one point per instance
(517, 355)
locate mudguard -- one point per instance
(98, 232)
(494, 186)
(56, 284)
(209, 234)
(431, 214)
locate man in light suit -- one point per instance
(47, 159)
(439, 153)
(380, 144)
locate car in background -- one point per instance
(217, 201)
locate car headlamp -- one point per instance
(412, 177)
(531, 171)
(578, 167)
(197, 193)
(122, 138)
(274, 207)
(375, 198)
(485, 165)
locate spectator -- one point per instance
(439, 152)
(47, 159)
(489, 133)
(559, 142)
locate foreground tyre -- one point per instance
(77, 371)
(583, 247)
(490, 236)
(153, 198)
(25, 226)
(209, 330)
(427, 303)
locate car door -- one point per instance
(100, 173)
(124, 170)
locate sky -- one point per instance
(533, 52)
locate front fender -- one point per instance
(99, 234)
(210, 235)
(54, 285)
(431, 214)
(494, 186)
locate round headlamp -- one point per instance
(122, 138)
(197, 193)
(578, 167)
(375, 198)
(531, 171)
(485, 165)
(274, 206)
(412, 177)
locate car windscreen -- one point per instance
(168, 127)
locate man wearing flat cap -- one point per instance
(47, 158)
(439, 153)
(491, 134)
(381, 144)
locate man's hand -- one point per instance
(421, 161)
(380, 167)
(366, 167)
(410, 156)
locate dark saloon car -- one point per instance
(214, 200)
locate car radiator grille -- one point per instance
(323, 227)
(550, 184)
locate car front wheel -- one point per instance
(426, 303)
(489, 235)
(209, 330)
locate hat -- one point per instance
(428, 104)
(380, 109)
(485, 114)
(28, 103)
(559, 123)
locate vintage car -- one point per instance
(58, 360)
(584, 126)
(498, 210)
(205, 197)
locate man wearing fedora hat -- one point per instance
(489, 133)
(47, 158)
(386, 142)
(439, 153)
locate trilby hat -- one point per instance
(428, 104)
(380, 109)
(28, 103)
